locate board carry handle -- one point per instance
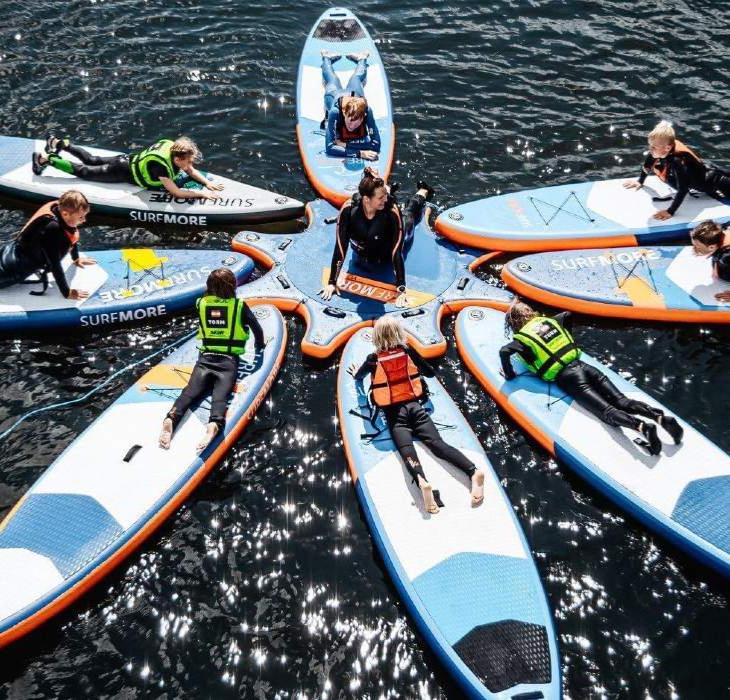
(131, 452)
(413, 312)
(335, 313)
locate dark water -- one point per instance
(265, 584)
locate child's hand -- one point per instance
(76, 294)
(662, 215)
(215, 186)
(352, 369)
(212, 196)
(369, 155)
(84, 262)
(723, 296)
(633, 185)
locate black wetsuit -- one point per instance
(409, 419)
(685, 172)
(39, 248)
(384, 238)
(215, 373)
(590, 387)
(106, 168)
(721, 260)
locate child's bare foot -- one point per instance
(357, 57)
(477, 487)
(210, 432)
(334, 57)
(166, 434)
(428, 500)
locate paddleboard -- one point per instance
(438, 277)
(666, 283)
(340, 31)
(580, 215)
(682, 494)
(131, 284)
(466, 574)
(113, 485)
(239, 203)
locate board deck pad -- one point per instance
(437, 276)
(339, 30)
(466, 574)
(113, 485)
(665, 283)
(682, 494)
(579, 215)
(239, 203)
(130, 284)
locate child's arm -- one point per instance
(199, 177)
(176, 191)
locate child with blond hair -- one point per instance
(679, 166)
(152, 168)
(398, 389)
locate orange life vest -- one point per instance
(47, 210)
(396, 379)
(661, 165)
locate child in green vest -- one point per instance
(223, 335)
(152, 168)
(547, 347)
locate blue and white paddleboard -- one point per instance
(340, 31)
(581, 215)
(667, 283)
(239, 203)
(466, 574)
(682, 494)
(113, 485)
(132, 284)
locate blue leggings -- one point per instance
(333, 87)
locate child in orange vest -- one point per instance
(397, 388)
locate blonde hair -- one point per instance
(663, 131)
(184, 148)
(73, 201)
(517, 316)
(388, 334)
(355, 107)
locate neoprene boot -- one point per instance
(423, 185)
(648, 430)
(672, 426)
(37, 166)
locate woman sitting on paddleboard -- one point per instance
(397, 388)
(42, 244)
(350, 128)
(370, 221)
(223, 335)
(711, 239)
(155, 167)
(549, 351)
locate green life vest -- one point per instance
(552, 346)
(159, 153)
(221, 328)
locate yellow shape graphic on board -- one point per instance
(641, 293)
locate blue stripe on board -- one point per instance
(68, 529)
(468, 589)
(703, 507)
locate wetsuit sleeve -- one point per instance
(423, 367)
(646, 168)
(54, 245)
(330, 136)
(505, 355)
(249, 319)
(342, 240)
(681, 175)
(156, 171)
(367, 367)
(565, 319)
(74, 252)
(399, 267)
